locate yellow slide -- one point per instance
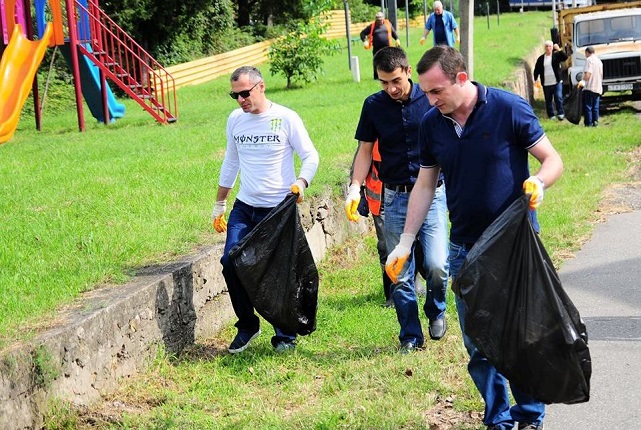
(18, 67)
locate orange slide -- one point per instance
(18, 67)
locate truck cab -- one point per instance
(614, 30)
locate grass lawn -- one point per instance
(84, 209)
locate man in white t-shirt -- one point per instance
(262, 138)
(592, 84)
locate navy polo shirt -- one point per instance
(485, 167)
(395, 125)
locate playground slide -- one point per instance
(18, 67)
(91, 88)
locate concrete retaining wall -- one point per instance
(114, 332)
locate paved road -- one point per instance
(604, 282)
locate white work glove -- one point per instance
(534, 187)
(581, 84)
(351, 202)
(298, 187)
(218, 216)
(398, 257)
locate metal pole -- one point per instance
(487, 8)
(407, 25)
(349, 35)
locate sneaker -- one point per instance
(241, 341)
(530, 426)
(389, 303)
(437, 328)
(284, 346)
(408, 347)
(595, 124)
(560, 117)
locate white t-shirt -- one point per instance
(261, 146)
(594, 65)
(548, 71)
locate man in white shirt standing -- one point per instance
(262, 138)
(592, 84)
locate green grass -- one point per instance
(79, 210)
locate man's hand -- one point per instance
(398, 43)
(398, 257)
(422, 41)
(218, 216)
(298, 187)
(534, 187)
(351, 202)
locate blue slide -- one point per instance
(91, 88)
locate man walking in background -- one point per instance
(262, 138)
(378, 35)
(444, 26)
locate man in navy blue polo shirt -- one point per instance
(479, 138)
(392, 117)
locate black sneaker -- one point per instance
(530, 426)
(284, 346)
(241, 341)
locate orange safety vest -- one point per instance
(373, 185)
(388, 25)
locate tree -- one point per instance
(299, 55)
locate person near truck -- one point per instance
(378, 35)
(592, 84)
(548, 69)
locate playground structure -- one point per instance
(96, 49)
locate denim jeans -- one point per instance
(553, 98)
(491, 384)
(433, 238)
(242, 220)
(591, 103)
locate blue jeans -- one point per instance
(590, 107)
(242, 220)
(433, 238)
(491, 384)
(553, 97)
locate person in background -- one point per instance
(444, 26)
(479, 138)
(592, 84)
(378, 35)
(548, 68)
(391, 117)
(262, 138)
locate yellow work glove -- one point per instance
(298, 187)
(581, 83)
(218, 216)
(398, 43)
(422, 41)
(351, 202)
(398, 257)
(534, 187)
(366, 44)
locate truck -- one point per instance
(614, 30)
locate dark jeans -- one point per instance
(242, 220)
(553, 98)
(591, 103)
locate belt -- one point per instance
(400, 188)
(407, 188)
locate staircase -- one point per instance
(125, 62)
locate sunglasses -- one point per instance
(244, 94)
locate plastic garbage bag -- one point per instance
(573, 105)
(518, 315)
(277, 269)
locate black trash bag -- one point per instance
(518, 315)
(363, 205)
(573, 105)
(277, 269)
